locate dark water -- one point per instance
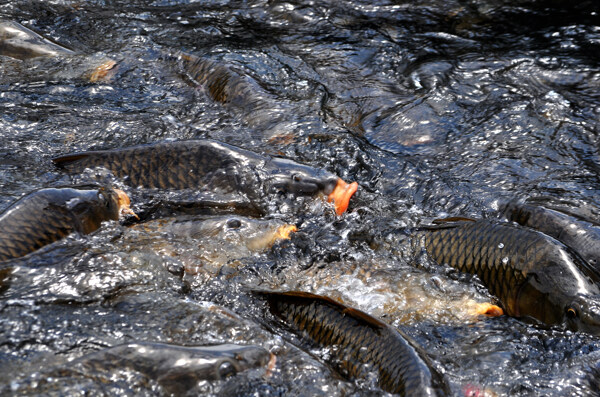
(435, 108)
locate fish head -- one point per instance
(290, 177)
(92, 207)
(239, 232)
(230, 359)
(583, 314)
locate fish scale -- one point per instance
(481, 242)
(531, 273)
(210, 166)
(580, 235)
(162, 166)
(358, 343)
(46, 216)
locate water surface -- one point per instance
(435, 108)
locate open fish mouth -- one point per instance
(341, 195)
(124, 203)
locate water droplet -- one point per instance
(501, 245)
(505, 260)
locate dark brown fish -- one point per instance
(532, 274)
(210, 165)
(359, 342)
(581, 236)
(222, 84)
(48, 215)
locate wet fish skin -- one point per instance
(177, 368)
(359, 342)
(214, 241)
(203, 164)
(532, 274)
(48, 215)
(578, 235)
(221, 83)
(19, 42)
(254, 234)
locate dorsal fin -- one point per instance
(445, 223)
(452, 219)
(61, 161)
(358, 315)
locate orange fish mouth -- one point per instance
(103, 71)
(341, 195)
(283, 232)
(271, 365)
(124, 203)
(489, 310)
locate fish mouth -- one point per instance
(271, 365)
(283, 232)
(103, 72)
(341, 194)
(124, 203)
(488, 309)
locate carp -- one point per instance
(204, 244)
(532, 274)
(214, 166)
(581, 236)
(358, 342)
(48, 215)
(17, 41)
(178, 368)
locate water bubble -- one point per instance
(501, 245)
(505, 260)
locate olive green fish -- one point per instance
(531, 273)
(242, 95)
(214, 166)
(581, 236)
(359, 342)
(48, 215)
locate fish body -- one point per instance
(209, 165)
(145, 368)
(221, 83)
(252, 234)
(531, 273)
(359, 343)
(205, 244)
(178, 368)
(19, 42)
(580, 236)
(48, 215)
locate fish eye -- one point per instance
(234, 224)
(571, 313)
(297, 178)
(226, 369)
